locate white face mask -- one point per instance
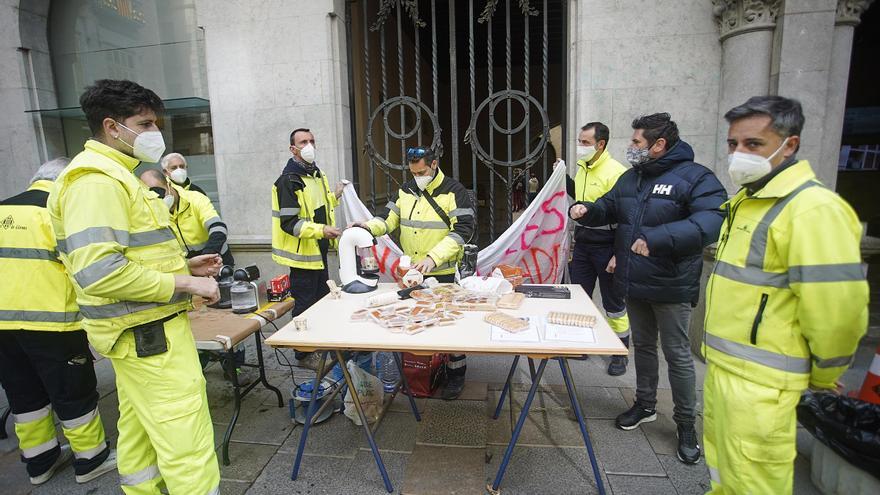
(178, 175)
(148, 146)
(585, 153)
(169, 201)
(745, 168)
(307, 153)
(422, 181)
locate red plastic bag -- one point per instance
(424, 373)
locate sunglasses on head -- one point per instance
(416, 153)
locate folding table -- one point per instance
(330, 330)
(219, 331)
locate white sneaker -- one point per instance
(63, 458)
(108, 465)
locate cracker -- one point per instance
(506, 322)
(571, 319)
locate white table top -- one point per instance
(330, 328)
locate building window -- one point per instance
(865, 157)
(156, 43)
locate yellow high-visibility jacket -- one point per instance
(787, 300)
(302, 204)
(197, 225)
(37, 294)
(422, 231)
(115, 240)
(590, 183)
(594, 180)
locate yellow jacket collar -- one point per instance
(602, 158)
(182, 202)
(787, 181)
(41, 185)
(438, 179)
(129, 162)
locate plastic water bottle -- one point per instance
(387, 369)
(364, 360)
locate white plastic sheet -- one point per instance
(537, 242)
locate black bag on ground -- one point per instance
(850, 427)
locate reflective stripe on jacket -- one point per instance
(422, 231)
(114, 237)
(787, 300)
(37, 293)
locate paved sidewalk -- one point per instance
(456, 448)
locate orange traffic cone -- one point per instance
(871, 387)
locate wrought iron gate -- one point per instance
(406, 91)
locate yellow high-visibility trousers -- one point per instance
(619, 322)
(165, 431)
(748, 435)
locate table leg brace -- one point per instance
(519, 424)
(572, 395)
(366, 425)
(313, 406)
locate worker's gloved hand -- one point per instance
(362, 225)
(331, 232)
(426, 265)
(205, 265)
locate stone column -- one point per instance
(848, 16)
(746, 35)
(801, 67)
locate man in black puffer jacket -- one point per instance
(667, 209)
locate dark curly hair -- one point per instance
(117, 100)
(656, 126)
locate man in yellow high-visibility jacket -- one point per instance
(593, 251)
(787, 301)
(304, 227)
(195, 221)
(45, 361)
(436, 218)
(133, 287)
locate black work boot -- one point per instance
(635, 416)
(617, 366)
(453, 387)
(688, 448)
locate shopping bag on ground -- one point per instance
(424, 373)
(369, 391)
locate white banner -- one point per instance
(537, 242)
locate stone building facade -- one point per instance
(267, 66)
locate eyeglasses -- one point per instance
(416, 153)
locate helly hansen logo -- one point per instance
(665, 189)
